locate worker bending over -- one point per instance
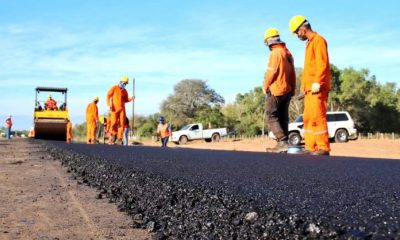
(279, 87)
(117, 96)
(51, 104)
(315, 84)
(92, 116)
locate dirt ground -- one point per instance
(365, 148)
(39, 200)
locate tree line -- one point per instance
(374, 107)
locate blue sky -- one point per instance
(88, 45)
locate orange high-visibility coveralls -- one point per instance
(118, 97)
(69, 132)
(51, 104)
(316, 70)
(92, 116)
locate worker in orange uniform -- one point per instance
(164, 131)
(69, 131)
(315, 84)
(279, 87)
(116, 98)
(51, 104)
(92, 116)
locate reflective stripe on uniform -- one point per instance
(321, 132)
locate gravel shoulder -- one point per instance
(40, 200)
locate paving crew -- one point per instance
(116, 98)
(164, 131)
(315, 84)
(69, 131)
(8, 126)
(92, 116)
(51, 104)
(279, 87)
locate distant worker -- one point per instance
(31, 133)
(315, 84)
(69, 131)
(164, 131)
(126, 131)
(51, 104)
(92, 116)
(116, 98)
(8, 126)
(279, 87)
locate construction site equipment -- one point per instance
(50, 124)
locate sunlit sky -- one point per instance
(88, 45)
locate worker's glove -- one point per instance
(315, 87)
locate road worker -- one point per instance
(50, 104)
(108, 128)
(116, 98)
(279, 86)
(315, 84)
(8, 126)
(31, 133)
(92, 116)
(69, 131)
(163, 131)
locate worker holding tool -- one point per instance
(8, 126)
(92, 116)
(315, 84)
(69, 131)
(279, 86)
(164, 131)
(51, 104)
(116, 98)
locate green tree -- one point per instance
(189, 97)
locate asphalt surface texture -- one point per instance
(206, 194)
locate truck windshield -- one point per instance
(299, 119)
(186, 127)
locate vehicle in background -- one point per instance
(195, 132)
(50, 124)
(340, 128)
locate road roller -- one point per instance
(51, 113)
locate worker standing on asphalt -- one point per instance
(116, 98)
(279, 87)
(69, 131)
(92, 116)
(8, 126)
(126, 131)
(315, 84)
(164, 131)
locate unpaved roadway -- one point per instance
(40, 200)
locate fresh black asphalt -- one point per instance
(336, 197)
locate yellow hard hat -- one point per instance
(96, 98)
(271, 32)
(296, 22)
(125, 79)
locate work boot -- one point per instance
(281, 147)
(321, 152)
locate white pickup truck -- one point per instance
(195, 132)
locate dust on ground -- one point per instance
(365, 148)
(40, 200)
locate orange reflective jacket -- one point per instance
(118, 96)
(92, 112)
(280, 77)
(163, 130)
(316, 64)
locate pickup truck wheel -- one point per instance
(208, 140)
(341, 136)
(216, 137)
(183, 140)
(294, 138)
